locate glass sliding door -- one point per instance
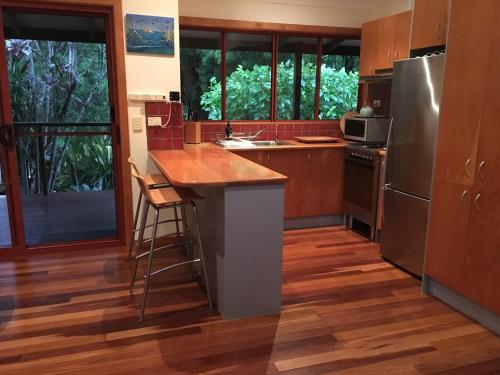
(5, 232)
(62, 119)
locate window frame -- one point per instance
(347, 33)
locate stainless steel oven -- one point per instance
(361, 181)
(367, 129)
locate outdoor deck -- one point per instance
(61, 217)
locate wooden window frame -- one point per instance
(275, 30)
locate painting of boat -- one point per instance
(150, 34)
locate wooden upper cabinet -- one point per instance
(402, 37)
(429, 23)
(386, 37)
(383, 41)
(488, 156)
(369, 47)
(464, 89)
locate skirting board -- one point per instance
(487, 318)
(314, 221)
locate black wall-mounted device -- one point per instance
(175, 96)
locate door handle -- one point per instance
(462, 199)
(6, 135)
(476, 203)
(481, 170)
(467, 167)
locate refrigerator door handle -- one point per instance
(388, 153)
(387, 185)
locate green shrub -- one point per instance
(248, 93)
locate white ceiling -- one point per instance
(338, 4)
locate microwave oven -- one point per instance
(367, 129)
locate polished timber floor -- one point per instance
(345, 311)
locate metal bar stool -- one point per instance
(159, 199)
(153, 181)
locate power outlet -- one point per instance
(154, 121)
(376, 103)
(137, 124)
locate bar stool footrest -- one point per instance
(173, 266)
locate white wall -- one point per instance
(341, 13)
(149, 74)
(391, 7)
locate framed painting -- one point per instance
(150, 34)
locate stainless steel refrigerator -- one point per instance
(415, 99)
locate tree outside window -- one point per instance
(249, 77)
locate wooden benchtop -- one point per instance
(206, 164)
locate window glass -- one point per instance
(296, 82)
(200, 75)
(248, 76)
(339, 78)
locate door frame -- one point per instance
(120, 132)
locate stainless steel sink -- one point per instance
(269, 143)
(244, 143)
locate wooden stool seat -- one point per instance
(155, 179)
(169, 196)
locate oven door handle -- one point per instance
(359, 162)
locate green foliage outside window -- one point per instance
(60, 82)
(338, 92)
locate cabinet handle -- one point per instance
(396, 55)
(308, 156)
(476, 203)
(462, 199)
(268, 156)
(436, 31)
(467, 167)
(389, 56)
(480, 171)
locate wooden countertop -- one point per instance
(290, 145)
(206, 164)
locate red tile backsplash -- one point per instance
(171, 136)
(210, 131)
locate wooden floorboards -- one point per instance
(346, 311)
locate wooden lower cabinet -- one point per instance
(481, 275)
(448, 231)
(315, 178)
(463, 243)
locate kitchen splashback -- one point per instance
(171, 137)
(284, 131)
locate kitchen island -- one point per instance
(241, 219)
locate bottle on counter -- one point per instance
(229, 130)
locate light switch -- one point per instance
(137, 124)
(154, 121)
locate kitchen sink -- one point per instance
(244, 143)
(270, 143)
